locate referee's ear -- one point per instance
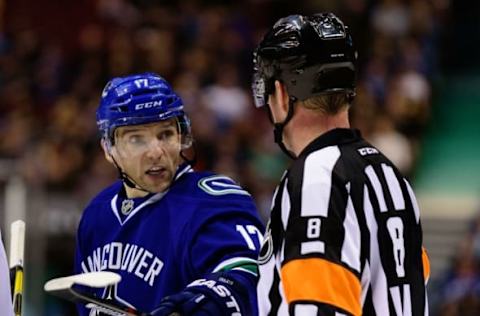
(282, 94)
(278, 102)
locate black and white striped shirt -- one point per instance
(344, 237)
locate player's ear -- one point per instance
(106, 150)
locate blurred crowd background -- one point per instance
(56, 56)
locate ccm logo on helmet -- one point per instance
(148, 105)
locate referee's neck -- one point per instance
(307, 125)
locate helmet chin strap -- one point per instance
(121, 174)
(278, 128)
(126, 178)
(192, 162)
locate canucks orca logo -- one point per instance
(220, 185)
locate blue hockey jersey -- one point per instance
(159, 244)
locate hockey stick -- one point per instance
(63, 288)
(17, 245)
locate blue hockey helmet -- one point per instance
(140, 99)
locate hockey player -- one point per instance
(182, 241)
(344, 236)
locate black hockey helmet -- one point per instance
(311, 55)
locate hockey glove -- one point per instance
(205, 297)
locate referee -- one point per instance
(344, 237)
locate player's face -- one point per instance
(149, 153)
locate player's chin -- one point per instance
(157, 184)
